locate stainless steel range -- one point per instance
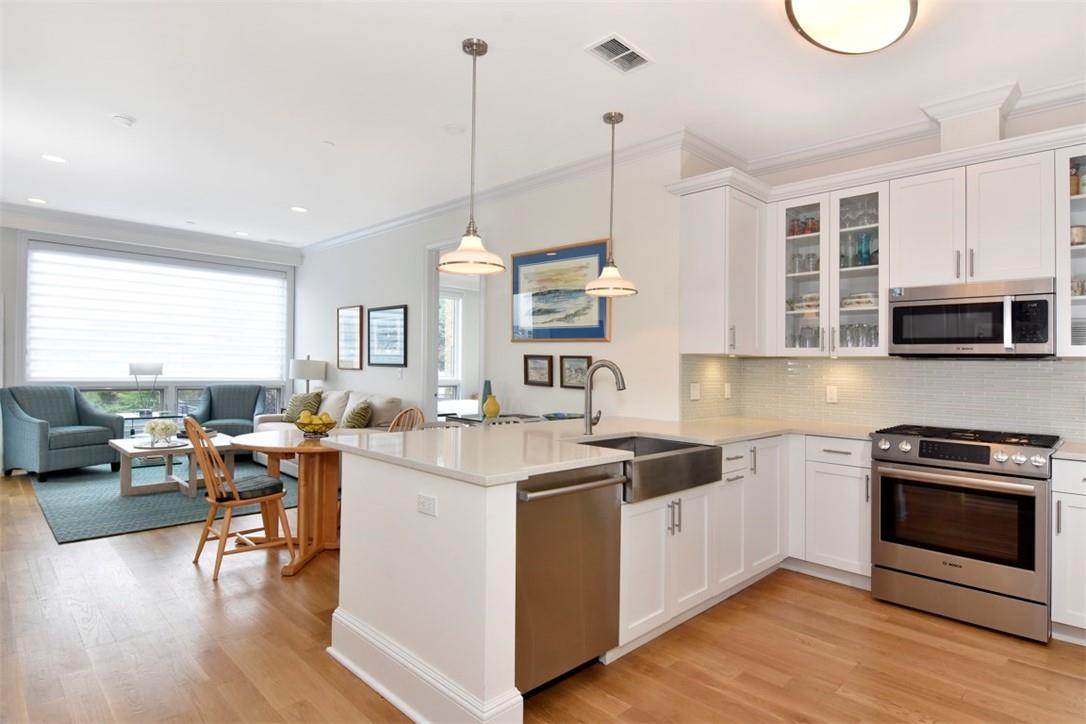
(960, 525)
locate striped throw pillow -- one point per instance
(360, 416)
(302, 401)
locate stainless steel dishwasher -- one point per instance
(568, 527)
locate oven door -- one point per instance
(983, 326)
(984, 531)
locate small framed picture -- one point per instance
(387, 328)
(539, 370)
(349, 338)
(572, 370)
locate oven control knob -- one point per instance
(884, 444)
(1037, 461)
(1001, 457)
(905, 446)
(1019, 459)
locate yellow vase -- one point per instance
(491, 408)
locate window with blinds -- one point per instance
(89, 313)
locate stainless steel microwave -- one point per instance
(979, 319)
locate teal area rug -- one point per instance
(87, 503)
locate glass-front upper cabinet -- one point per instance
(1071, 251)
(803, 226)
(859, 255)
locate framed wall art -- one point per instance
(573, 370)
(549, 301)
(539, 370)
(387, 328)
(349, 338)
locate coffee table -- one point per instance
(128, 450)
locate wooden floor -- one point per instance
(127, 629)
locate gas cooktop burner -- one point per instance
(986, 436)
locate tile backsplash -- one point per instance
(1043, 396)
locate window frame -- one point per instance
(457, 380)
(26, 240)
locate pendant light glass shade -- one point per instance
(852, 27)
(471, 257)
(610, 282)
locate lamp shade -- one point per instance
(145, 368)
(610, 283)
(306, 369)
(471, 257)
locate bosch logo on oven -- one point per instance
(952, 564)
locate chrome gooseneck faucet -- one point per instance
(620, 384)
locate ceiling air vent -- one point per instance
(618, 53)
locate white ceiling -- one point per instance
(233, 100)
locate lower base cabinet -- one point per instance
(838, 517)
(1069, 559)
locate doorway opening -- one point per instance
(455, 339)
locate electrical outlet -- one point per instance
(831, 394)
(695, 390)
(727, 390)
(427, 505)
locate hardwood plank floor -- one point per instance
(127, 629)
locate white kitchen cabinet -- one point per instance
(927, 220)
(1010, 218)
(764, 512)
(1070, 259)
(803, 250)
(721, 291)
(728, 530)
(665, 560)
(1069, 559)
(838, 517)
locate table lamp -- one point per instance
(306, 369)
(146, 369)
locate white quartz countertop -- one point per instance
(508, 453)
(1069, 450)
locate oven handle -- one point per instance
(1008, 333)
(961, 481)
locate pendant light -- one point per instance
(471, 257)
(610, 283)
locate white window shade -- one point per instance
(90, 313)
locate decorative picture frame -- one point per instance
(349, 337)
(386, 329)
(539, 370)
(549, 302)
(572, 370)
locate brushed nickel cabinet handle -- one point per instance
(1059, 516)
(972, 262)
(733, 479)
(833, 338)
(731, 332)
(821, 339)
(957, 265)
(679, 505)
(867, 488)
(836, 452)
(733, 457)
(754, 460)
(671, 518)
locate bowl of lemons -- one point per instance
(315, 425)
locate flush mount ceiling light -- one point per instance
(35, 200)
(610, 282)
(471, 257)
(299, 209)
(852, 27)
(53, 159)
(241, 233)
(126, 121)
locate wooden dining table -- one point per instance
(317, 528)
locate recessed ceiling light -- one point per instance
(328, 144)
(126, 121)
(241, 233)
(54, 159)
(190, 222)
(299, 209)
(35, 200)
(851, 27)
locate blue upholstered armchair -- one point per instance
(53, 427)
(230, 409)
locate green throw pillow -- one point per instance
(360, 415)
(302, 401)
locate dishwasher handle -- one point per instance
(526, 496)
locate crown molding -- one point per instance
(1050, 99)
(1002, 98)
(1017, 146)
(724, 177)
(84, 226)
(720, 156)
(674, 141)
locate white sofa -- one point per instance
(338, 404)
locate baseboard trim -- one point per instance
(1070, 634)
(401, 677)
(826, 573)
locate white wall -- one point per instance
(391, 269)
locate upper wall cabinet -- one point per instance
(927, 214)
(986, 222)
(721, 282)
(1071, 252)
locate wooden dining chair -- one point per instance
(225, 493)
(408, 419)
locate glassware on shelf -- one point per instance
(808, 337)
(863, 252)
(812, 225)
(796, 265)
(810, 262)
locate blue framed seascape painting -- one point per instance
(549, 302)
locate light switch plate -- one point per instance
(831, 394)
(427, 505)
(695, 390)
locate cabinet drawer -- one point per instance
(1069, 476)
(736, 456)
(839, 451)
